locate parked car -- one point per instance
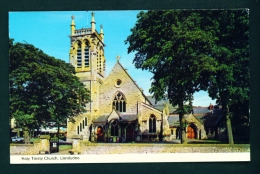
(17, 139)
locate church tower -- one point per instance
(87, 56)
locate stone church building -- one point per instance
(119, 111)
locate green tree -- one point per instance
(43, 88)
(230, 83)
(175, 48)
(188, 51)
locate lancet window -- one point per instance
(114, 128)
(119, 102)
(152, 124)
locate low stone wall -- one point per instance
(160, 148)
(30, 149)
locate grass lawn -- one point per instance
(65, 147)
(35, 140)
(206, 142)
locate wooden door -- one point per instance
(129, 133)
(100, 134)
(191, 133)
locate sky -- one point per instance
(49, 31)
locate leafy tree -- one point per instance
(188, 51)
(43, 88)
(172, 45)
(230, 83)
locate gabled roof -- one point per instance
(104, 118)
(132, 80)
(114, 115)
(123, 117)
(160, 104)
(151, 107)
(174, 119)
(101, 119)
(211, 120)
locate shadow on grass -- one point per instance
(207, 142)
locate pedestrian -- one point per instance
(210, 108)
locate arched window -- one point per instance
(152, 124)
(79, 59)
(86, 54)
(80, 127)
(86, 121)
(114, 128)
(119, 102)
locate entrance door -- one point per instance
(191, 133)
(129, 133)
(100, 134)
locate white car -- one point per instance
(17, 139)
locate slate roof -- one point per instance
(173, 120)
(210, 120)
(160, 104)
(124, 118)
(101, 119)
(200, 110)
(153, 102)
(128, 117)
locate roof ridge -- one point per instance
(151, 106)
(133, 81)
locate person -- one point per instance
(210, 108)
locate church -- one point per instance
(118, 111)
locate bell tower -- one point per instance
(87, 48)
(87, 56)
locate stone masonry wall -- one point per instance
(30, 149)
(108, 90)
(72, 127)
(145, 115)
(199, 126)
(159, 148)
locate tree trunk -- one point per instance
(229, 127)
(182, 126)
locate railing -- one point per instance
(82, 31)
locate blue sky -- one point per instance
(49, 31)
